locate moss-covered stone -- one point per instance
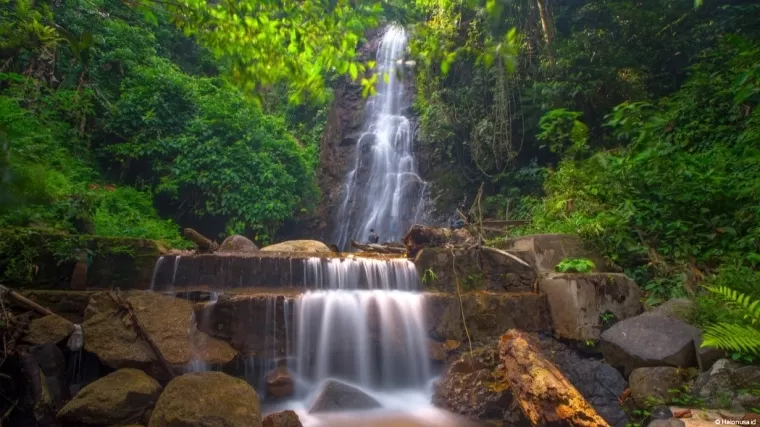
(165, 319)
(48, 330)
(207, 399)
(122, 397)
(31, 258)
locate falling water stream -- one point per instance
(383, 191)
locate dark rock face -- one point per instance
(728, 382)
(486, 271)
(339, 396)
(650, 341)
(488, 314)
(598, 382)
(53, 365)
(238, 243)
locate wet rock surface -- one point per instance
(125, 396)
(650, 341)
(167, 320)
(548, 250)
(339, 396)
(207, 399)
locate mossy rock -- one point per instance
(207, 399)
(122, 397)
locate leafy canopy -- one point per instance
(263, 43)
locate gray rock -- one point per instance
(727, 384)
(653, 384)
(578, 301)
(672, 422)
(649, 341)
(339, 396)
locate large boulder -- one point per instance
(50, 329)
(207, 399)
(282, 419)
(654, 385)
(339, 396)
(579, 302)
(125, 396)
(649, 341)
(729, 383)
(238, 243)
(166, 320)
(548, 250)
(474, 386)
(298, 246)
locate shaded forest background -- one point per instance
(631, 123)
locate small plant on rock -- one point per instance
(429, 276)
(575, 265)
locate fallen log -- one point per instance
(546, 397)
(374, 247)
(28, 303)
(126, 307)
(203, 243)
(420, 236)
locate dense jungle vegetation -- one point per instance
(631, 123)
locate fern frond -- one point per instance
(752, 307)
(732, 337)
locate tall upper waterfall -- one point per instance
(383, 192)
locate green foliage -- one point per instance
(429, 276)
(733, 337)
(575, 265)
(563, 132)
(262, 43)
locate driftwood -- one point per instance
(503, 253)
(546, 397)
(382, 249)
(126, 307)
(204, 244)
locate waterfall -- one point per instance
(383, 191)
(371, 337)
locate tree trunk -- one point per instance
(204, 244)
(546, 397)
(374, 247)
(547, 23)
